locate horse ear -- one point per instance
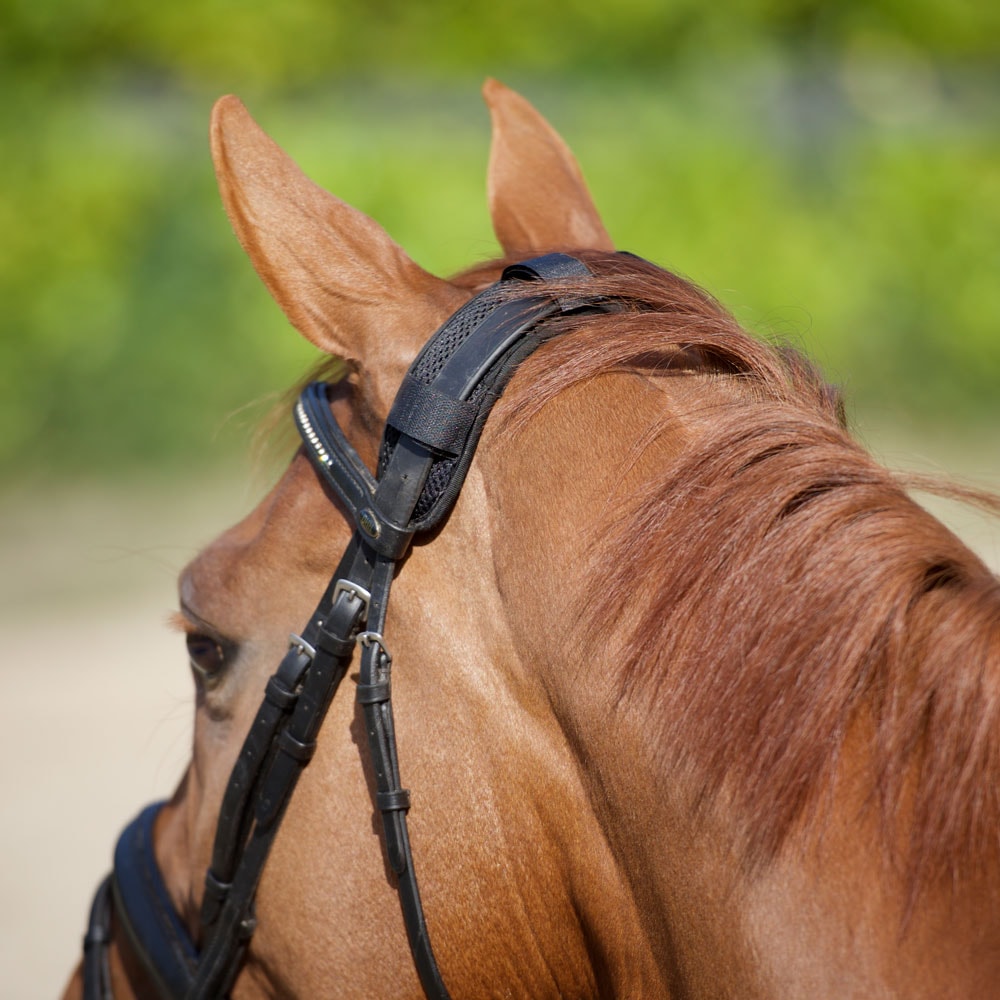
(338, 276)
(538, 197)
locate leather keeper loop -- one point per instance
(372, 694)
(215, 887)
(334, 645)
(392, 540)
(216, 892)
(279, 695)
(302, 752)
(394, 801)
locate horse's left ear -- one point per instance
(538, 197)
(338, 276)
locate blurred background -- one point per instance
(830, 171)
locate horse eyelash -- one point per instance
(176, 621)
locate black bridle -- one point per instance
(429, 441)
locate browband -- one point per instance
(428, 444)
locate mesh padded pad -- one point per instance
(426, 367)
(509, 331)
(429, 363)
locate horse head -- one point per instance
(693, 700)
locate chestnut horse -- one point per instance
(694, 701)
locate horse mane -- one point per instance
(781, 586)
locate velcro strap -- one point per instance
(434, 419)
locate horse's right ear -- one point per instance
(338, 276)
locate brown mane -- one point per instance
(786, 585)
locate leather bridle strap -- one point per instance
(430, 439)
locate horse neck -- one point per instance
(827, 915)
(633, 885)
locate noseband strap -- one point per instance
(429, 442)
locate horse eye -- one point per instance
(207, 655)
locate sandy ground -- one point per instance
(95, 717)
(75, 767)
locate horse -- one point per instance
(693, 699)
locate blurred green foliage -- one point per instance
(830, 171)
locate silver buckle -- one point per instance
(348, 587)
(297, 642)
(374, 639)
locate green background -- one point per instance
(830, 171)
